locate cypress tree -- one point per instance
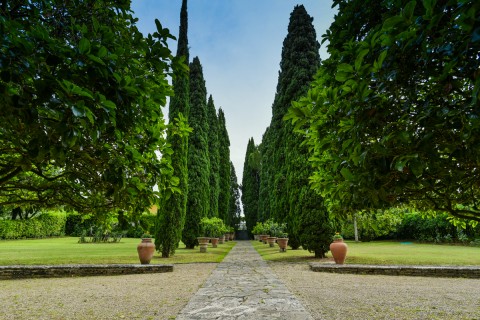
(198, 158)
(251, 184)
(233, 217)
(284, 191)
(307, 219)
(265, 195)
(224, 167)
(213, 148)
(172, 209)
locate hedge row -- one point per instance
(46, 225)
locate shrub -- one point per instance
(213, 227)
(46, 225)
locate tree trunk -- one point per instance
(320, 255)
(355, 227)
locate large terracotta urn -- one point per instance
(214, 242)
(203, 243)
(264, 238)
(282, 244)
(145, 250)
(271, 241)
(221, 239)
(339, 250)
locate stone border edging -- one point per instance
(79, 270)
(418, 271)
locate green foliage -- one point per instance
(172, 208)
(272, 228)
(315, 230)
(224, 167)
(433, 228)
(214, 153)
(198, 200)
(393, 114)
(45, 225)
(375, 224)
(212, 227)
(265, 148)
(100, 235)
(234, 209)
(80, 90)
(251, 185)
(258, 228)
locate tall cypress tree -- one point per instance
(171, 212)
(251, 184)
(265, 195)
(234, 211)
(285, 169)
(224, 167)
(198, 158)
(307, 219)
(214, 152)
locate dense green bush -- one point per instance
(45, 225)
(119, 223)
(438, 228)
(373, 225)
(213, 227)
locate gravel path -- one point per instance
(344, 296)
(148, 296)
(163, 296)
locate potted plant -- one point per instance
(282, 236)
(231, 233)
(146, 249)
(213, 229)
(257, 230)
(282, 241)
(338, 249)
(206, 230)
(272, 231)
(218, 230)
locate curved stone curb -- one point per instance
(79, 270)
(419, 271)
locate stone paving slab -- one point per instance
(472, 272)
(244, 287)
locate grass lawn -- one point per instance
(384, 253)
(67, 250)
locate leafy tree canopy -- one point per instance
(393, 115)
(81, 90)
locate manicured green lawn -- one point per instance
(67, 250)
(384, 253)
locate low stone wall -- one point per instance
(419, 271)
(58, 271)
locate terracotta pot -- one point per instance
(256, 237)
(145, 250)
(339, 251)
(203, 243)
(214, 242)
(232, 236)
(282, 243)
(227, 237)
(264, 238)
(271, 241)
(221, 239)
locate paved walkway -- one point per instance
(244, 287)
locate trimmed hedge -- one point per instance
(45, 225)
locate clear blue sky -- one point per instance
(239, 43)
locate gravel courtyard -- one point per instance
(162, 296)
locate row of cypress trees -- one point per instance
(201, 161)
(275, 178)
